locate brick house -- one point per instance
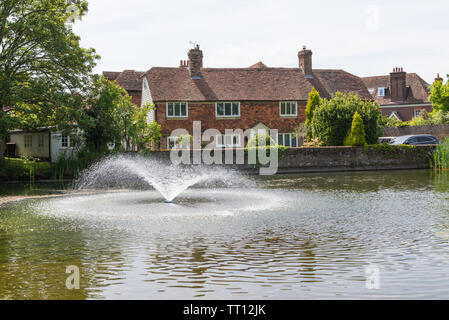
(401, 95)
(256, 97)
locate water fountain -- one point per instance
(170, 180)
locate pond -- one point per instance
(361, 235)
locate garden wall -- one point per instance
(328, 159)
(441, 131)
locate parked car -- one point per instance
(416, 139)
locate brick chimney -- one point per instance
(195, 62)
(305, 62)
(397, 84)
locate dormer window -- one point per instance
(381, 92)
(177, 110)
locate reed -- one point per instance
(440, 156)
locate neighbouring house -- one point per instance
(256, 97)
(130, 80)
(43, 143)
(400, 95)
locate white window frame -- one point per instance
(174, 116)
(381, 92)
(226, 116)
(291, 137)
(222, 137)
(66, 144)
(288, 114)
(28, 140)
(419, 111)
(41, 141)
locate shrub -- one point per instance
(333, 118)
(185, 140)
(258, 140)
(356, 135)
(312, 103)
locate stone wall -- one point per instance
(440, 131)
(328, 159)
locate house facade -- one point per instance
(45, 144)
(256, 97)
(400, 95)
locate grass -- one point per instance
(440, 156)
(24, 169)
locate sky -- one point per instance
(362, 37)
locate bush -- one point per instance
(258, 140)
(312, 103)
(356, 135)
(333, 118)
(185, 140)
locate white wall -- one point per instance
(56, 147)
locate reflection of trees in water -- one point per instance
(35, 252)
(365, 181)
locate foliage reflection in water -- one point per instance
(295, 236)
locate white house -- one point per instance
(44, 143)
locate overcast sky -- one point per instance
(361, 37)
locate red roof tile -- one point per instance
(129, 79)
(254, 83)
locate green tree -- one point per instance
(312, 103)
(333, 119)
(259, 140)
(439, 95)
(107, 117)
(146, 134)
(41, 61)
(356, 135)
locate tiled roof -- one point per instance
(259, 65)
(254, 83)
(417, 89)
(129, 79)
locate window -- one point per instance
(287, 139)
(227, 109)
(228, 140)
(28, 141)
(381, 92)
(371, 90)
(176, 109)
(418, 112)
(40, 141)
(426, 140)
(288, 108)
(172, 142)
(65, 141)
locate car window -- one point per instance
(412, 140)
(425, 140)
